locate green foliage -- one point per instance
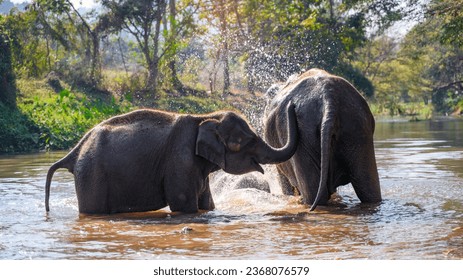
(177, 49)
(459, 107)
(291, 36)
(7, 76)
(189, 69)
(437, 63)
(418, 68)
(450, 13)
(48, 120)
(357, 78)
(128, 86)
(30, 55)
(142, 20)
(62, 119)
(296, 35)
(412, 110)
(18, 132)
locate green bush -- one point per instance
(62, 118)
(17, 132)
(45, 120)
(414, 110)
(192, 104)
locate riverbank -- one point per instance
(53, 115)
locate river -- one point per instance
(421, 171)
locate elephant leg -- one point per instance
(205, 201)
(364, 177)
(309, 184)
(91, 189)
(305, 173)
(367, 188)
(182, 193)
(308, 180)
(286, 186)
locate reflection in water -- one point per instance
(421, 217)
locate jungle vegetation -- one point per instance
(63, 69)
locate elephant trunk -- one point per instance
(273, 155)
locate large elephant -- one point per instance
(148, 159)
(335, 137)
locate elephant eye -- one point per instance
(247, 141)
(234, 146)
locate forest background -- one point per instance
(63, 68)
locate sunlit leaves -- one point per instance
(450, 13)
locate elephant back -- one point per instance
(149, 115)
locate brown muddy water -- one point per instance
(421, 170)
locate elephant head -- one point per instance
(232, 145)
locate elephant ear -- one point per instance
(208, 144)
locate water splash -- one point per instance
(250, 193)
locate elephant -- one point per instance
(148, 159)
(253, 182)
(335, 146)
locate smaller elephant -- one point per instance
(336, 130)
(251, 181)
(148, 159)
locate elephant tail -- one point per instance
(67, 162)
(326, 137)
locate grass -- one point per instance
(18, 132)
(414, 110)
(48, 120)
(63, 118)
(51, 119)
(459, 108)
(192, 104)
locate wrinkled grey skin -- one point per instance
(335, 137)
(148, 159)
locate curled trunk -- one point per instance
(271, 155)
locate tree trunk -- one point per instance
(224, 33)
(332, 10)
(95, 74)
(153, 63)
(7, 78)
(122, 56)
(172, 63)
(226, 70)
(152, 82)
(95, 71)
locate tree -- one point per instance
(445, 65)
(421, 67)
(450, 12)
(72, 24)
(141, 19)
(7, 77)
(29, 54)
(286, 37)
(280, 38)
(172, 38)
(180, 28)
(93, 54)
(219, 14)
